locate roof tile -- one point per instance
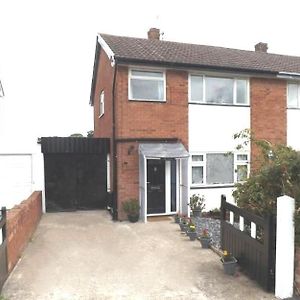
(165, 52)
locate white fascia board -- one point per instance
(286, 75)
(107, 50)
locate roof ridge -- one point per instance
(200, 45)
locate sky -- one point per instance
(47, 51)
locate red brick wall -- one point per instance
(268, 112)
(22, 221)
(142, 119)
(105, 73)
(103, 126)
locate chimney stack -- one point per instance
(261, 47)
(153, 34)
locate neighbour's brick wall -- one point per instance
(22, 221)
(268, 112)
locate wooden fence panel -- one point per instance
(255, 255)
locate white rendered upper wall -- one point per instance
(293, 127)
(211, 127)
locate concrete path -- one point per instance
(84, 255)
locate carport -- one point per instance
(75, 173)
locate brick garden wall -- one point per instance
(22, 221)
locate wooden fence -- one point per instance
(251, 239)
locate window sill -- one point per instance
(147, 101)
(219, 104)
(294, 108)
(213, 186)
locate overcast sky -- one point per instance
(47, 50)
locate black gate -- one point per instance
(75, 173)
(254, 246)
(3, 248)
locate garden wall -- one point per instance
(22, 221)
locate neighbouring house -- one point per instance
(171, 109)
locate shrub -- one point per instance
(131, 207)
(197, 202)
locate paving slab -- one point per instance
(86, 256)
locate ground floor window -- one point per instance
(218, 168)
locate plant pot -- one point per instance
(196, 213)
(177, 219)
(205, 242)
(192, 235)
(133, 218)
(229, 266)
(183, 227)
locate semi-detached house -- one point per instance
(171, 109)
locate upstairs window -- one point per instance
(293, 95)
(1, 90)
(146, 85)
(101, 104)
(218, 90)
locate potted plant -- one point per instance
(229, 263)
(177, 218)
(183, 224)
(132, 208)
(197, 204)
(191, 231)
(205, 239)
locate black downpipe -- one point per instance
(115, 177)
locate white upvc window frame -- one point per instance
(198, 164)
(239, 162)
(101, 103)
(203, 164)
(287, 95)
(139, 69)
(234, 78)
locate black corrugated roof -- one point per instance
(75, 145)
(165, 52)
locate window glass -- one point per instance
(219, 168)
(242, 172)
(146, 74)
(101, 104)
(197, 175)
(197, 157)
(147, 89)
(241, 91)
(147, 85)
(219, 90)
(197, 88)
(292, 95)
(242, 157)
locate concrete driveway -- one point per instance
(84, 255)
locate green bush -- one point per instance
(278, 174)
(131, 207)
(197, 202)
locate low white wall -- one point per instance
(213, 196)
(293, 125)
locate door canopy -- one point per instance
(163, 150)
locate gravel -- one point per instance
(213, 226)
